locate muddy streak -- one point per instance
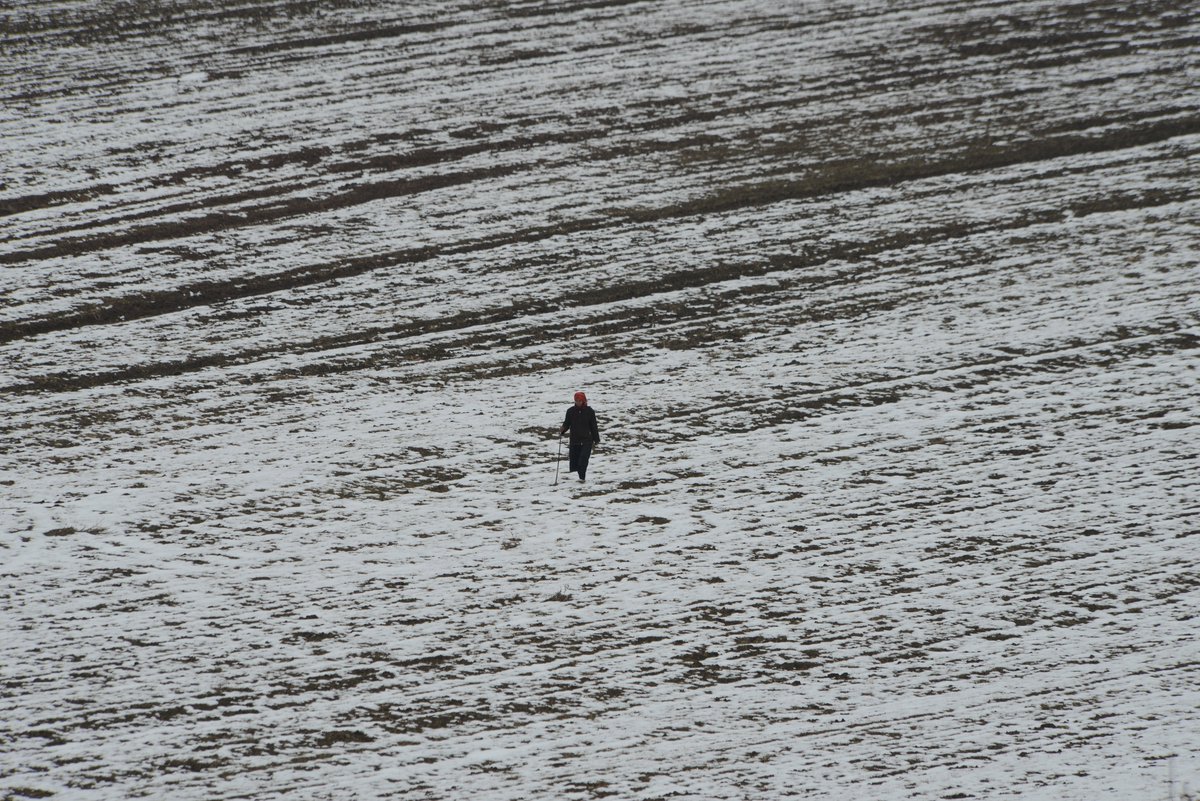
(811, 255)
(335, 162)
(832, 177)
(845, 177)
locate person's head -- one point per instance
(580, 399)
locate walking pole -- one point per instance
(559, 461)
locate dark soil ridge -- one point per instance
(89, 31)
(94, 25)
(307, 156)
(86, 28)
(619, 320)
(838, 178)
(311, 155)
(278, 209)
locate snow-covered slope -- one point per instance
(888, 311)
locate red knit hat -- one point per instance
(579, 396)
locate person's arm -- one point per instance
(566, 424)
(595, 429)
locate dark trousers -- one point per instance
(580, 452)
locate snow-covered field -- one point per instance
(889, 312)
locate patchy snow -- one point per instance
(888, 312)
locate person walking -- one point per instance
(581, 422)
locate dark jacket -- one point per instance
(581, 422)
